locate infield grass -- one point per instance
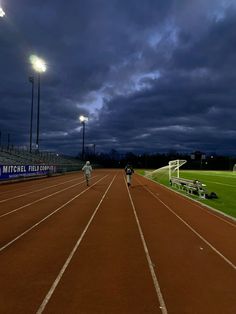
(223, 183)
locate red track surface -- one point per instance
(66, 248)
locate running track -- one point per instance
(69, 248)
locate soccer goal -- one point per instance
(174, 166)
(166, 172)
(158, 173)
(234, 168)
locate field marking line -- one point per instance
(217, 174)
(48, 216)
(150, 264)
(42, 189)
(193, 230)
(41, 199)
(64, 267)
(234, 186)
(196, 203)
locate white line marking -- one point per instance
(45, 218)
(41, 199)
(196, 203)
(202, 207)
(45, 188)
(63, 269)
(194, 231)
(217, 174)
(219, 183)
(150, 264)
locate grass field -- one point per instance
(223, 183)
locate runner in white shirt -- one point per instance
(87, 169)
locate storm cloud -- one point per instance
(152, 76)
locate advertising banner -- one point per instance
(16, 171)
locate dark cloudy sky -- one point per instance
(151, 75)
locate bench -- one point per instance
(190, 186)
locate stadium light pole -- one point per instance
(39, 66)
(83, 119)
(8, 141)
(31, 80)
(2, 14)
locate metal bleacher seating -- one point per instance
(16, 156)
(190, 186)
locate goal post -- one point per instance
(234, 168)
(174, 166)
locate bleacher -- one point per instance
(18, 156)
(190, 186)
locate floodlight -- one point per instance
(2, 13)
(83, 119)
(38, 64)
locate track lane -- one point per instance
(15, 188)
(210, 211)
(194, 278)
(13, 207)
(28, 268)
(218, 232)
(37, 189)
(13, 204)
(148, 257)
(21, 200)
(13, 227)
(109, 272)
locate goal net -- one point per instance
(165, 173)
(174, 166)
(160, 172)
(234, 168)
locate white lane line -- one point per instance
(37, 183)
(42, 189)
(41, 199)
(45, 218)
(209, 211)
(63, 269)
(150, 264)
(194, 231)
(196, 203)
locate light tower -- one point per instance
(39, 66)
(83, 119)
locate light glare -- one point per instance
(2, 13)
(83, 118)
(38, 64)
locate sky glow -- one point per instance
(151, 76)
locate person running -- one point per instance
(87, 169)
(129, 171)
